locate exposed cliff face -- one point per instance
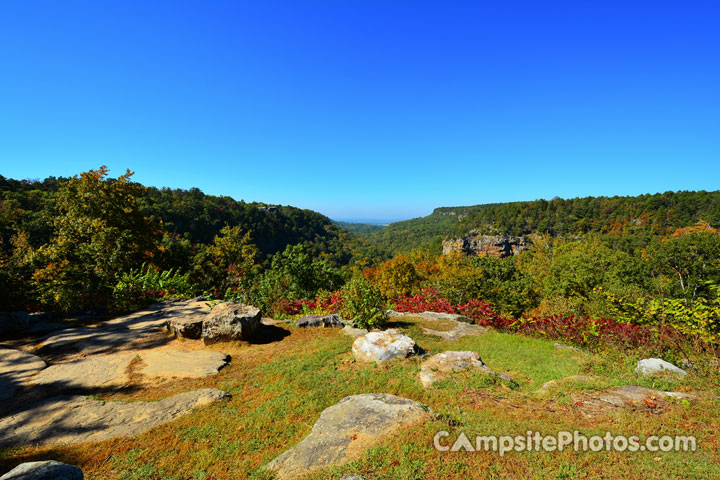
(498, 246)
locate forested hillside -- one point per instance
(643, 215)
(66, 242)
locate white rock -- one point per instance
(651, 366)
(383, 346)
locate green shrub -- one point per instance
(364, 304)
(146, 285)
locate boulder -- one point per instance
(70, 419)
(652, 366)
(383, 346)
(185, 320)
(47, 470)
(182, 363)
(230, 321)
(16, 368)
(104, 371)
(440, 366)
(345, 429)
(333, 320)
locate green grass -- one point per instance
(279, 390)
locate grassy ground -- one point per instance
(279, 389)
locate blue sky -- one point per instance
(380, 110)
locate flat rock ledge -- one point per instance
(182, 363)
(457, 332)
(344, 430)
(103, 371)
(16, 368)
(432, 316)
(66, 420)
(46, 470)
(383, 346)
(441, 366)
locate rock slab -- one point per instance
(230, 321)
(103, 371)
(383, 346)
(16, 368)
(439, 366)
(344, 430)
(76, 419)
(47, 470)
(652, 366)
(182, 363)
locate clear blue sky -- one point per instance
(364, 109)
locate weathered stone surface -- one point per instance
(352, 477)
(457, 332)
(442, 365)
(354, 332)
(143, 329)
(186, 321)
(439, 366)
(47, 470)
(77, 419)
(16, 368)
(333, 320)
(626, 397)
(499, 246)
(103, 371)
(230, 321)
(344, 430)
(433, 316)
(652, 366)
(383, 346)
(182, 363)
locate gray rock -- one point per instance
(354, 332)
(230, 321)
(433, 316)
(47, 470)
(383, 346)
(182, 363)
(16, 368)
(103, 371)
(442, 365)
(78, 419)
(333, 320)
(652, 366)
(186, 321)
(345, 429)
